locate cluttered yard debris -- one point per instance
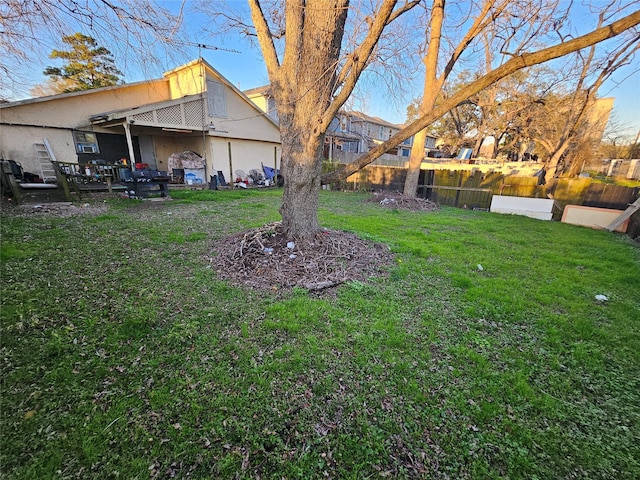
(399, 201)
(265, 258)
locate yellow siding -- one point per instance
(74, 111)
(260, 101)
(186, 81)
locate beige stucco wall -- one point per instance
(245, 154)
(166, 146)
(245, 121)
(17, 143)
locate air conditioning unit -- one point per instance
(87, 148)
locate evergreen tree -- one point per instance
(87, 65)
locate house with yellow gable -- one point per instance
(191, 109)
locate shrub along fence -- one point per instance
(474, 189)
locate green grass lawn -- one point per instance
(123, 357)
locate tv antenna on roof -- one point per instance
(206, 47)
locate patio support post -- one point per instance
(127, 132)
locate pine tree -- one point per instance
(87, 64)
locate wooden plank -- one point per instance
(615, 197)
(540, 208)
(62, 181)
(593, 217)
(633, 208)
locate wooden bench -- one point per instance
(77, 179)
(16, 186)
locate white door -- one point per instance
(147, 152)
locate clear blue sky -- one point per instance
(246, 70)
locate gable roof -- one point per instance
(61, 96)
(177, 114)
(165, 80)
(376, 120)
(263, 90)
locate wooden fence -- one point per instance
(474, 189)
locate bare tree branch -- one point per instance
(513, 65)
(360, 57)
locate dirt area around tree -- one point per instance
(264, 258)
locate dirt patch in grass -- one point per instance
(401, 202)
(54, 209)
(94, 204)
(265, 258)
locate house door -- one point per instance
(147, 151)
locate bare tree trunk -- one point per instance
(302, 169)
(476, 146)
(303, 84)
(496, 144)
(552, 164)
(310, 83)
(415, 161)
(432, 85)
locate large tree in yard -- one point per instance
(311, 80)
(312, 77)
(87, 64)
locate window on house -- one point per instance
(381, 134)
(272, 111)
(216, 100)
(368, 130)
(86, 142)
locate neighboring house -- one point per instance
(357, 132)
(263, 98)
(351, 133)
(191, 108)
